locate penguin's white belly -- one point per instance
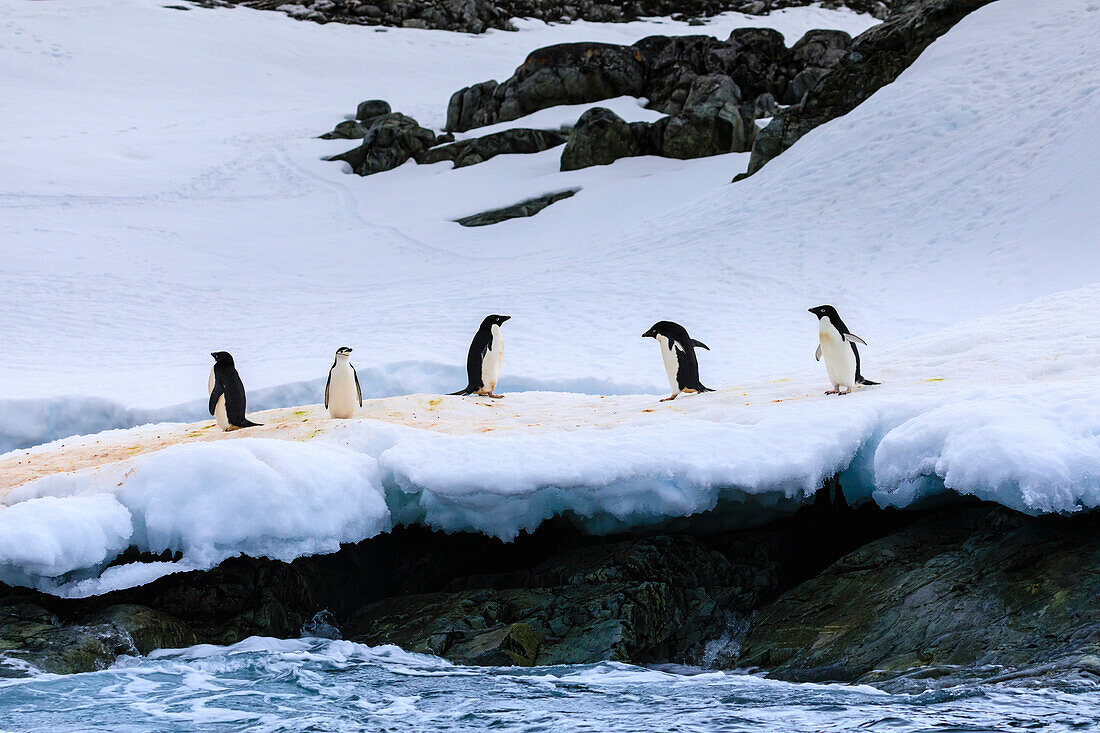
(840, 360)
(220, 418)
(672, 363)
(343, 397)
(490, 364)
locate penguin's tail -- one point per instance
(246, 423)
(866, 382)
(700, 388)
(462, 392)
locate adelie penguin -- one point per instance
(227, 399)
(838, 347)
(484, 360)
(342, 389)
(678, 352)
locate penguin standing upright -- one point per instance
(678, 352)
(227, 398)
(484, 360)
(837, 345)
(342, 389)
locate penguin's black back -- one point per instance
(687, 369)
(483, 341)
(228, 383)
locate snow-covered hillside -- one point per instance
(165, 199)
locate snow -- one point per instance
(945, 218)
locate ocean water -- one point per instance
(265, 684)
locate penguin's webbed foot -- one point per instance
(670, 399)
(834, 391)
(496, 396)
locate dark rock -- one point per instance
(347, 130)
(661, 68)
(530, 207)
(803, 84)
(568, 73)
(477, 150)
(472, 107)
(600, 137)
(963, 588)
(711, 121)
(875, 59)
(763, 106)
(391, 140)
(30, 633)
(372, 108)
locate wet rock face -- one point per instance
(876, 58)
(477, 16)
(962, 588)
(638, 601)
(831, 593)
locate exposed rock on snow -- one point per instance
(663, 69)
(599, 138)
(390, 140)
(480, 149)
(530, 207)
(876, 58)
(477, 16)
(368, 110)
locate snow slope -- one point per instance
(163, 196)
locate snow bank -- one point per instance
(970, 411)
(26, 423)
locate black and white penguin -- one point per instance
(678, 352)
(484, 360)
(342, 389)
(227, 399)
(838, 347)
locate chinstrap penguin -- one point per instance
(678, 352)
(342, 389)
(484, 360)
(838, 347)
(227, 398)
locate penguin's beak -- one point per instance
(505, 318)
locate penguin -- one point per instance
(678, 351)
(342, 388)
(227, 399)
(838, 347)
(483, 361)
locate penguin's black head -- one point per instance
(660, 328)
(343, 350)
(826, 311)
(222, 357)
(494, 320)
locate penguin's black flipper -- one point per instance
(700, 345)
(358, 389)
(216, 394)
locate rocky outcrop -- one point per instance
(663, 69)
(528, 207)
(480, 149)
(976, 588)
(710, 123)
(876, 58)
(477, 16)
(601, 137)
(390, 140)
(905, 599)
